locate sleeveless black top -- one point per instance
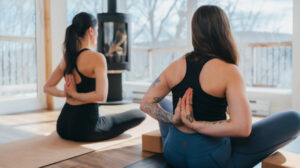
(87, 84)
(206, 107)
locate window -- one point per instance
(159, 36)
(263, 31)
(18, 60)
(76, 6)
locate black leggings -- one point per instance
(83, 123)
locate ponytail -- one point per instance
(70, 49)
(80, 24)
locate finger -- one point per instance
(182, 113)
(182, 105)
(187, 103)
(186, 92)
(179, 105)
(179, 101)
(72, 79)
(68, 79)
(191, 98)
(66, 87)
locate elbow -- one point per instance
(143, 105)
(100, 96)
(45, 89)
(101, 99)
(245, 131)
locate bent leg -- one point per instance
(110, 126)
(266, 137)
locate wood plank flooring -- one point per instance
(113, 157)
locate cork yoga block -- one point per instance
(151, 142)
(282, 159)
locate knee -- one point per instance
(293, 118)
(138, 115)
(293, 115)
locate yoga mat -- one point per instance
(155, 161)
(44, 150)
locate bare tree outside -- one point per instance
(156, 20)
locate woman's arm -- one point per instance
(239, 124)
(100, 94)
(149, 104)
(56, 76)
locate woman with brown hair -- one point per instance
(206, 83)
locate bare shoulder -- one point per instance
(175, 72)
(96, 58)
(223, 67)
(177, 65)
(62, 64)
(221, 71)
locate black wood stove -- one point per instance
(114, 43)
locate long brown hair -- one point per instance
(211, 34)
(80, 24)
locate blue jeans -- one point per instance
(197, 150)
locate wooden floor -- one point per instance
(115, 156)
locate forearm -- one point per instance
(222, 128)
(76, 101)
(54, 91)
(156, 112)
(89, 97)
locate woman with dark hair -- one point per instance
(86, 84)
(206, 83)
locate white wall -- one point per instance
(296, 57)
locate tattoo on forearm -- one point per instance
(157, 99)
(157, 80)
(154, 110)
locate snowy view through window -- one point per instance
(18, 60)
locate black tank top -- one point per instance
(87, 84)
(205, 106)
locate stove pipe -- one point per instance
(112, 6)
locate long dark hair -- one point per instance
(80, 24)
(211, 34)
